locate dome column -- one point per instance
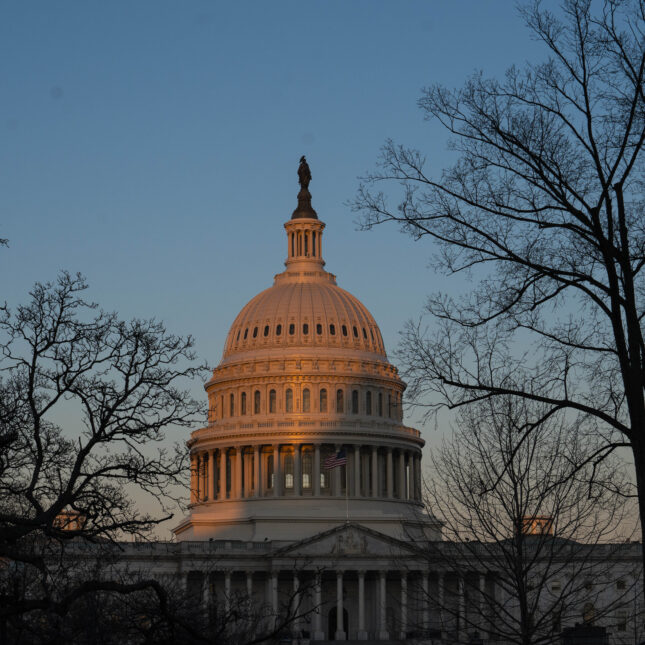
(257, 482)
(277, 470)
(193, 479)
(388, 474)
(237, 492)
(357, 470)
(297, 469)
(401, 474)
(211, 475)
(375, 490)
(222, 473)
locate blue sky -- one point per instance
(153, 146)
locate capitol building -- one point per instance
(306, 485)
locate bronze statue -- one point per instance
(304, 174)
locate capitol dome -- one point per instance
(304, 377)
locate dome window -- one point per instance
(292, 329)
(380, 404)
(355, 331)
(238, 335)
(278, 330)
(306, 400)
(368, 402)
(256, 402)
(340, 401)
(332, 330)
(319, 329)
(243, 403)
(232, 405)
(344, 328)
(305, 329)
(272, 401)
(364, 334)
(246, 333)
(288, 400)
(266, 330)
(323, 400)
(255, 332)
(354, 399)
(372, 335)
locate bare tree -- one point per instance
(84, 402)
(526, 549)
(543, 210)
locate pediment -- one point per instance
(347, 540)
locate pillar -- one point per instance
(211, 475)
(401, 474)
(222, 473)
(357, 471)
(256, 471)
(335, 475)
(297, 469)
(274, 596)
(295, 606)
(424, 600)
(362, 634)
(389, 480)
(440, 597)
(340, 629)
(227, 591)
(462, 607)
(318, 634)
(317, 470)
(404, 605)
(198, 467)
(193, 479)
(383, 634)
(374, 471)
(412, 483)
(277, 471)
(239, 465)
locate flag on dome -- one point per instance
(337, 459)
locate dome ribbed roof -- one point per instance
(298, 313)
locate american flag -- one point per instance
(336, 459)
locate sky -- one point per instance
(153, 146)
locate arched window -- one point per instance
(305, 328)
(246, 333)
(368, 402)
(278, 330)
(364, 334)
(355, 331)
(221, 405)
(354, 401)
(238, 334)
(340, 401)
(243, 403)
(389, 405)
(231, 406)
(344, 329)
(292, 329)
(266, 330)
(307, 469)
(332, 330)
(380, 404)
(306, 400)
(272, 401)
(255, 332)
(288, 470)
(319, 329)
(372, 334)
(256, 402)
(323, 400)
(270, 475)
(288, 400)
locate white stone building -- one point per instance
(305, 376)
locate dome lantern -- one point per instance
(304, 229)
